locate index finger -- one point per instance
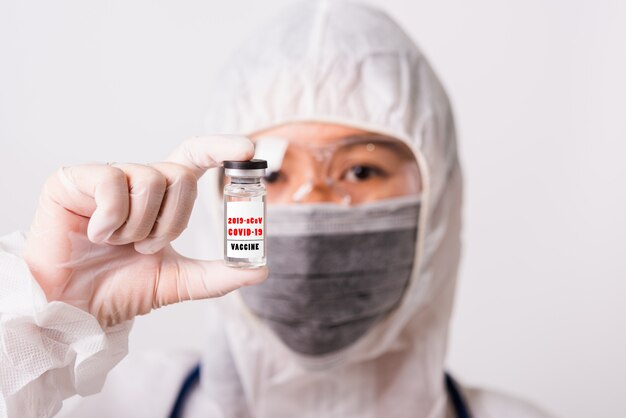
(200, 153)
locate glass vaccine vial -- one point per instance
(244, 214)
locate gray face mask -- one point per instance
(334, 271)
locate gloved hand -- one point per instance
(101, 235)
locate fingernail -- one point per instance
(147, 246)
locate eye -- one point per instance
(358, 173)
(273, 176)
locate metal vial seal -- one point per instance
(244, 214)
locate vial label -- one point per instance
(245, 230)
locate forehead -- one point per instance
(312, 133)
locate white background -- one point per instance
(539, 91)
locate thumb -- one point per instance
(182, 278)
(203, 152)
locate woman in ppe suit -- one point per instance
(364, 199)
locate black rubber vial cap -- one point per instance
(254, 164)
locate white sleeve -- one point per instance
(49, 351)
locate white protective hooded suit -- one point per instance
(333, 62)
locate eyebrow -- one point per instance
(366, 135)
(371, 136)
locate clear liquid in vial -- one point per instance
(244, 225)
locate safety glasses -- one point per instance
(352, 170)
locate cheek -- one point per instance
(411, 181)
(404, 183)
(277, 196)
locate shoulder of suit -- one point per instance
(484, 403)
(144, 384)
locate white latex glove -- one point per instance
(101, 235)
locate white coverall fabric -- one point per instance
(48, 351)
(317, 61)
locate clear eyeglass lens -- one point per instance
(350, 171)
